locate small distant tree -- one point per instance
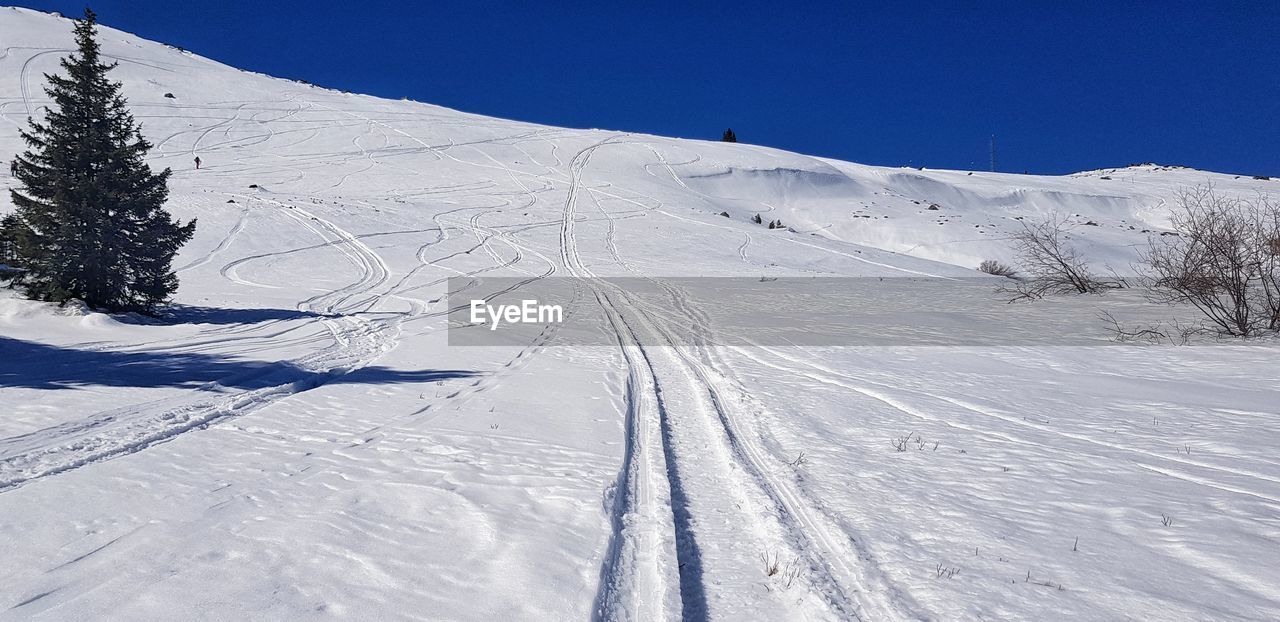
(90, 220)
(996, 268)
(1224, 261)
(729, 136)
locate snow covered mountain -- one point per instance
(300, 440)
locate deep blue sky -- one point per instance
(1066, 88)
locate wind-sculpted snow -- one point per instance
(301, 434)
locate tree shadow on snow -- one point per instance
(189, 314)
(26, 364)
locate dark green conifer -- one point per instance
(90, 220)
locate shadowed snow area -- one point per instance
(296, 437)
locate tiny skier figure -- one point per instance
(13, 168)
(197, 163)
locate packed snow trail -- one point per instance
(684, 408)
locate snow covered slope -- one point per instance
(299, 440)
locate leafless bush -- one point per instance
(787, 574)
(772, 564)
(900, 443)
(1173, 331)
(1051, 584)
(1224, 261)
(791, 573)
(993, 267)
(1052, 265)
(947, 571)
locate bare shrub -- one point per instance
(1174, 331)
(787, 573)
(993, 267)
(1224, 261)
(1052, 264)
(791, 573)
(900, 443)
(771, 563)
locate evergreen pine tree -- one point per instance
(729, 136)
(8, 256)
(90, 220)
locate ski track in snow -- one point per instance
(357, 343)
(826, 556)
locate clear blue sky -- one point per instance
(1064, 86)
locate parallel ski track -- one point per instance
(831, 554)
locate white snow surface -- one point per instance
(299, 441)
